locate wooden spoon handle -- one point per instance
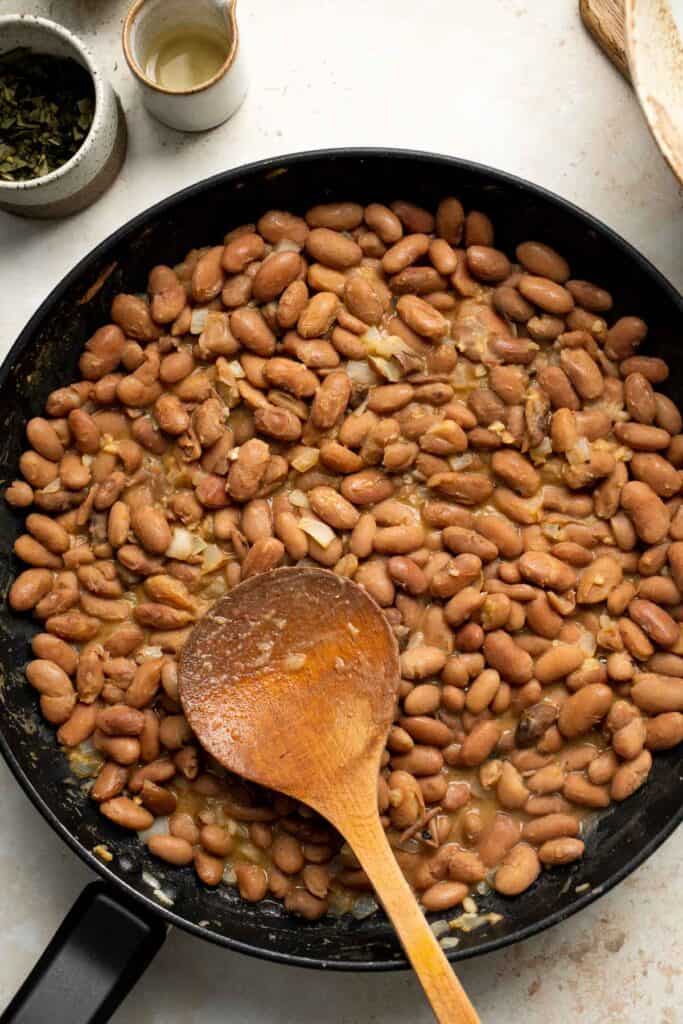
(443, 990)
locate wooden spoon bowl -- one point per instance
(290, 681)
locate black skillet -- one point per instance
(117, 925)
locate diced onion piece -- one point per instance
(236, 369)
(622, 453)
(213, 558)
(229, 876)
(587, 641)
(554, 531)
(215, 589)
(184, 544)
(298, 499)
(321, 533)
(439, 928)
(54, 485)
(371, 336)
(216, 329)
(251, 852)
(227, 389)
(614, 409)
(85, 761)
(458, 462)
(360, 372)
(386, 368)
(364, 906)
(535, 504)
(360, 409)
(389, 346)
(580, 452)
(540, 453)
(198, 319)
(305, 458)
(161, 897)
(463, 374)
(386, 345)
(151, 652)
(287, 245)
(158, 827)
(181, 545)
(466, 923)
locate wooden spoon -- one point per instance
(290, 680)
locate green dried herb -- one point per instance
(46, 109)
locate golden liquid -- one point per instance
(185, 57)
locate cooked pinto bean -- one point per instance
(578, 790)
(664, 731)
(649, 514)
(657, 694)
(560, 851)
(641, 437)
(546, 570)
(28, 588)
(558, 662)
(127, 814)
(584, 709)
(656, 472)
(503, 654)
(540, 259)
(443, 895)
(496, 839)
(654, 621)
(630, 776)
(545, 293)
(516, 471)
(518, 870)
(421, 317)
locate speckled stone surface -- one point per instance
(514, 83)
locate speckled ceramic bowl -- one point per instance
(654, 42)
(91, 170)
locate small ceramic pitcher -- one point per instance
(205, 105)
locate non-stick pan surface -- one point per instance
(46, 355)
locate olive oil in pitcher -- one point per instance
(185, 57)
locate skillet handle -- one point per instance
(93, 960)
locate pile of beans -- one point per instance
(382, 392)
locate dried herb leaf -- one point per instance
(46, 109)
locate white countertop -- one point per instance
(513, 83)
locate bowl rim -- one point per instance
(120, 236)
(88, 62)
